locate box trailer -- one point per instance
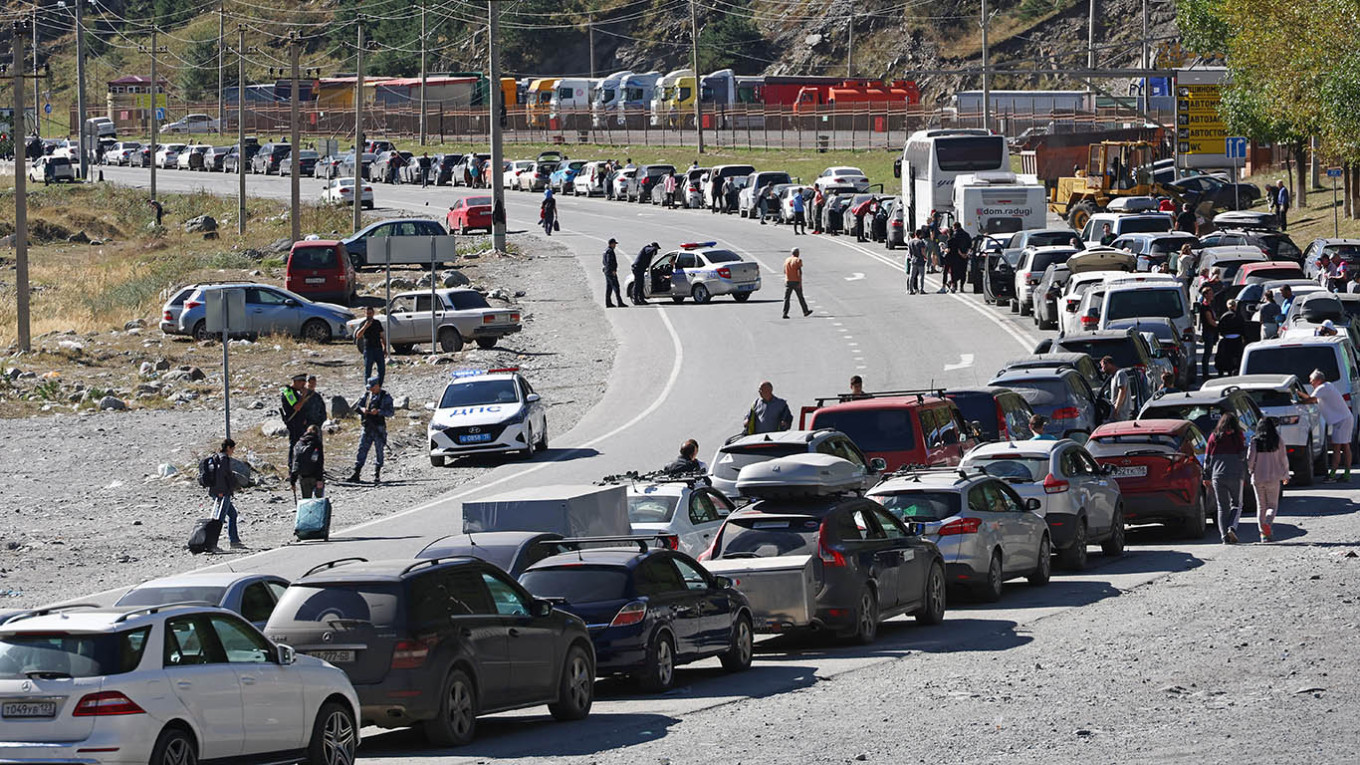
(572, 511)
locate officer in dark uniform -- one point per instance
(292, 405)
(611, 276)
(644, 259)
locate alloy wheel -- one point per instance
(338, 739)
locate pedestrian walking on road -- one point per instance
(370, 338)
(374, 407)
(688, 461)
(793, 282)
(222, 491)
(292, 398)
(424, 162)
(547, 213)
(1282, 200)
(799, 216)
(309, 465)
(610, 261)
(640, 266)
(1225, 472)
(1268, 463)
(1340, 422)
(769, 413)
(916, 264)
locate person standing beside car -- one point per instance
(1269, 314)
(1225, 473)
(916, 264)
(610, 262)
(369, 335)
(1268, 463)
(799, 217)
(640, 266)
(1121, 390)
(1340, 422)
(769, 413)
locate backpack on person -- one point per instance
(307, 457)
(207, 471)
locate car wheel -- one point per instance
(933, 599)
(742, 648)
(543, 439)
(741, 297)
(576, 689)
(334, 737)
(402, 348)
(1114, 546)
(456, 722)
(1195, 526)
(486, 343)
(677, 299)
(990, 590)
(200, 331)
(866, 618)
(174, 747)
(450, 341)
(528, 451)
(1073, 558)
(888, 244)
(701, 294)
(1044, 570)
(436, 461)
(658, 674)
(317, 331)
(1025, 308)
(1015, 306)
(1302, 467)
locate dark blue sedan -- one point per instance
(648, 610)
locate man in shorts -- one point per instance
(1340, 422)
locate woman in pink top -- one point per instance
(1268, 463)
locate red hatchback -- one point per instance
(320, 270)
(1159, 467)
(468, 213)
(902, 427)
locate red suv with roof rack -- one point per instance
(901, 427)
(1158, 464)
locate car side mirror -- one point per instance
(1071, 307)
(1033, 504)
(878, 464)
(724, 582)
(532, 398)
(286, 654)
(291, 303)
(976, 427)
(915, 528)
(542, 608)
(450, 208)
(1106, 469)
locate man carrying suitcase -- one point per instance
(221, 491)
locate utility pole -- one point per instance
(294, 173)
(80, 91)
(20, 194)
(359, 124)
(590, 35)
(850, 43)
(694, 61)
(155, 101)
(221, 65)
(1091, 38)
(497, 102)
(37, 91)
(241, 128)
(424, 75)
(986, 73)
(1143, 61)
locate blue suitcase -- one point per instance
(313, 519)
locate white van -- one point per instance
(1299, 356)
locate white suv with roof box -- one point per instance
(166, 685)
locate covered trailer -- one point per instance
(572, 511)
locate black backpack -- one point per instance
(207, 471)
(307, 457)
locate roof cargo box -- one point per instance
(801, 475)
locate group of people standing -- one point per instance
(931, 250)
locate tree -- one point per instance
(732, 42)
(198, 76)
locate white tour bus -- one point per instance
(932, 159)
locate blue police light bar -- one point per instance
(697, 245)
(461, 373)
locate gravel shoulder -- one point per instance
(84, 507)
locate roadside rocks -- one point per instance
(455, 278)
(201, 224)
(274, 428)
(340, 408)
(112, 403)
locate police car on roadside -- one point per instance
(484, 411)
(699, 270)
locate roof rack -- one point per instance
(667, 542)
(919, 393)
(691, 478)
(434, 561)
(45, 611)
(916, 471)
(162, 607)
(332, 564)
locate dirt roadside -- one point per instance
(85, 507)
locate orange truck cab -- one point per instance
(320, 270)
(902, 427)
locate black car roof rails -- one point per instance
(667, 542)
(333, 564)
(841, 398)
(435, 561)
(656, 476)
(45, 611)
(147, 610)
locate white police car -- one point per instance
(485, 411)
(699, 270)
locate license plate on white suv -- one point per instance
(334, 657)
(1130, 471)
(21, 709)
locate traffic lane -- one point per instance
(623, 716)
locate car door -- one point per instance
(686, 274)
(915, 564)
(1019, 541)
(401, 319)
(1105, 490)
(453, 602)
(456, 215)
(875, 557)
(262, 311)
(930, 435)
(256, 603)
(205, 684)
(659, 581)
(702, 521)
(533, 649)
(715, 608)
(660, 273)
(271, 694)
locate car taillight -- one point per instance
(725, 273)
(410, 654)
(1089, 321)
(1346, 397)
(1066, 413)
(670, 541)
(488, 319)
(189, 304)
(346, 191)
(897, 224)
(167, 317)
(106, 704)
(961, 526)
(829, 556)
(630, 614)
(514, 317)
(1188, 335)
(1054, 485)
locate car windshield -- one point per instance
(721, 256)
(313, 257)
(1264, 398)
(373, 602)
(652, 508)
(1271, 274)
(921, 506)
(484, 201)
(888, 429)
(479, 393)
(757, 537)
(1141, 303)
(1145, 225)
(62, 655)
(1102, 446)
(1297, 360)
(977, 407)
(1039, 392)
(1282, 247)
(576, 584)
(159, 596)
(1348, 252)
(1205, 416)
(1121, 349)
(1025, 467)
(466, 301)
(765, 449)
(1172, 244)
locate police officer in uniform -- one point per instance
(611, 276)
(292, 403)
(644, 259)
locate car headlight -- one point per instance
(517, 417)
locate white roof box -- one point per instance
(801, 475)
(1132, 204)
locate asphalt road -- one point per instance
(691, 371)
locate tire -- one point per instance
(436, 461)
(1073, 558)
(576, 688)
(450, 341)
(456, 722)
(659, 672)
(1302, 467)
(1044, 571)
(317, 331)
(1195, 526)
(528, 451)
(1080, 213)
(200, 330)
(701, 294)
(866, 618)
(486, 343)
(543, 439)
(1114, 546)
(1014, 306)
(335, 737)
(678, 299)
(463, 231)
(1026, 308)
(741, 297)
(742, 648)
(402, 348)
(990, 590)
(933, 601)
(174, 747)
(888, 244)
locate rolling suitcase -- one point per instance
(205, 535)
(313, 519)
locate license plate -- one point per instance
(1132, 471)
(321, 280)
(746, 287)
(474, 439)
(334, 657)
(17, 709)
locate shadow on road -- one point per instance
(709, 682)
(523, 736)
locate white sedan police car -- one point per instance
(699, 270)
(487, 411)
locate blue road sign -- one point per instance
(1236, 147)
(1333, 172)
(160, 113)
(47, 108)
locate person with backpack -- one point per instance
(547, 212)
(1268, 463)
(1224, 473)
(309, 464)
(216, 475)
(373, 408)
